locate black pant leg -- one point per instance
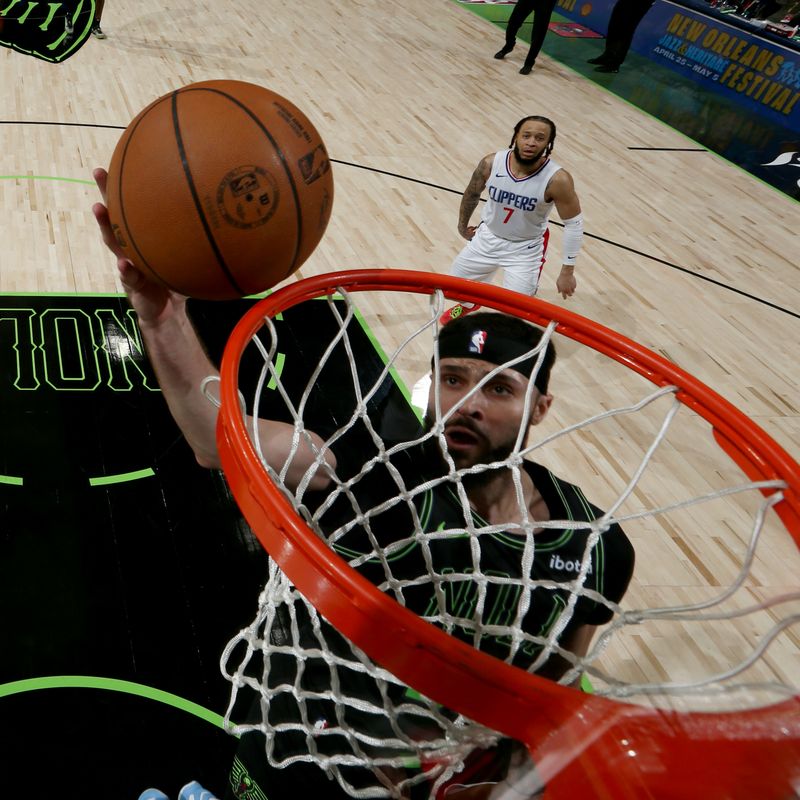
(543, 11)
(520, 13)
(625, 18)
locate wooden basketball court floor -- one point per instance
(684, 253)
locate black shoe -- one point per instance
(601, 59)
(607, 68)
(504, 51)
(525, 69)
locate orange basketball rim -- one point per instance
(584, 746)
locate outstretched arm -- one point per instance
(181, 364)
(561, 190)
(472, 195)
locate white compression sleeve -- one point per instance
(573, 239)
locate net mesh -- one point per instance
(318, 698)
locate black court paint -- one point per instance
(121, 558)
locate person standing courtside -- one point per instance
(542, 10)
(625, 18)
(97, 31)
(524, 184)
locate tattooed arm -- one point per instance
(472, 194)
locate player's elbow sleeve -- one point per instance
(573, 238)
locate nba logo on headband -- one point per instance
(477, 342)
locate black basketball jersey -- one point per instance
(390, 537)
(558, 556)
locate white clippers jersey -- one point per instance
(516, 209)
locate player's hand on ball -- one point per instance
(100, 212)
(151, 300)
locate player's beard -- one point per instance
(533, 159)
(497, 454)
(489, 455)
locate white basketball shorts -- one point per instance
(485, 253)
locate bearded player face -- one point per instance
(484, 427)
(531, 141)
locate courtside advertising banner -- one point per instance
(756, 73)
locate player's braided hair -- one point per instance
(537, 118)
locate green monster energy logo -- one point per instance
(46, 30)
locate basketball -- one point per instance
(219, 189)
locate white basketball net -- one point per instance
(280, 657)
